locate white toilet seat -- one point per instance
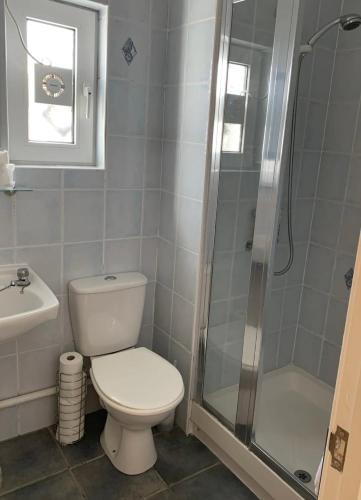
(137, 382)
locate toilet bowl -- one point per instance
(138, 388)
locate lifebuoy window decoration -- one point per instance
(53, 85)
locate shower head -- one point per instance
(348, 22)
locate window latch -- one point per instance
(87, 93)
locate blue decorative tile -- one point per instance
(129, 51)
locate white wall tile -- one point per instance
(182, 321)
(199, 51)
(319, 268)
(151, 210)
(8, 377)
(45, 261)
(136, 10)
(149, 248)
(189, 224)
(37, 414)
(119, 32)
(336, 319)
(87, 179)
(159, 11)
(126, 108)
(123, 215)
(161, 342)
(125, 160)
(163, 306)
(38, 217)
(166, 257)
(178, 12)
(196, 110)
(329, 363)
(8, 423)
(313, 310)
(186, 266)
(80, 260)
(202, 9)
(122, 255)
(307, 351)
(83, 215)
(37, 369)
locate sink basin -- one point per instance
(21, 312)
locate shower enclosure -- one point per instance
(272, 325)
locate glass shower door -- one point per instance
(249, 146)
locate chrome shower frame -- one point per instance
(273, 166)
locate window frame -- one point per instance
(89, 151)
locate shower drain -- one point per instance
(303, 475)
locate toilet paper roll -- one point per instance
(72, 401)
(72, 425)
(70, 364)
(69, 416)
(72, 389)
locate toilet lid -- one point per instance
(138, 379)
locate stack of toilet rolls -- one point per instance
(72, 395)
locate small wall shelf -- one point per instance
(10, 191)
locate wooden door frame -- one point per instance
(346, 410)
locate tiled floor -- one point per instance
(35, 467)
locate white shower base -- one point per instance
(292, 416)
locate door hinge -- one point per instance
(338, 447)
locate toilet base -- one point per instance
(130, 451)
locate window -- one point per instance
(49, 121)
(53, 94)
(235, 107)
(237, 81)
(232, 136)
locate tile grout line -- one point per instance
(183, 480)
(30, 483)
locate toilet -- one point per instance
(138, 388)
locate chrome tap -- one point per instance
(23, 278)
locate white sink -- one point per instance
(21, 312)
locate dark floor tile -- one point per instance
(163, 495)
(59, 487)
(89, 447)
(28, 458)
(180, 456)
(217, 483)
(101, 480)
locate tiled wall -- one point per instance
(77, 223)
(187, 96)
(284, 306)
(327, 210)
(336, 217)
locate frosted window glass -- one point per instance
(237, 81)
(53, 45)
(232, 134)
